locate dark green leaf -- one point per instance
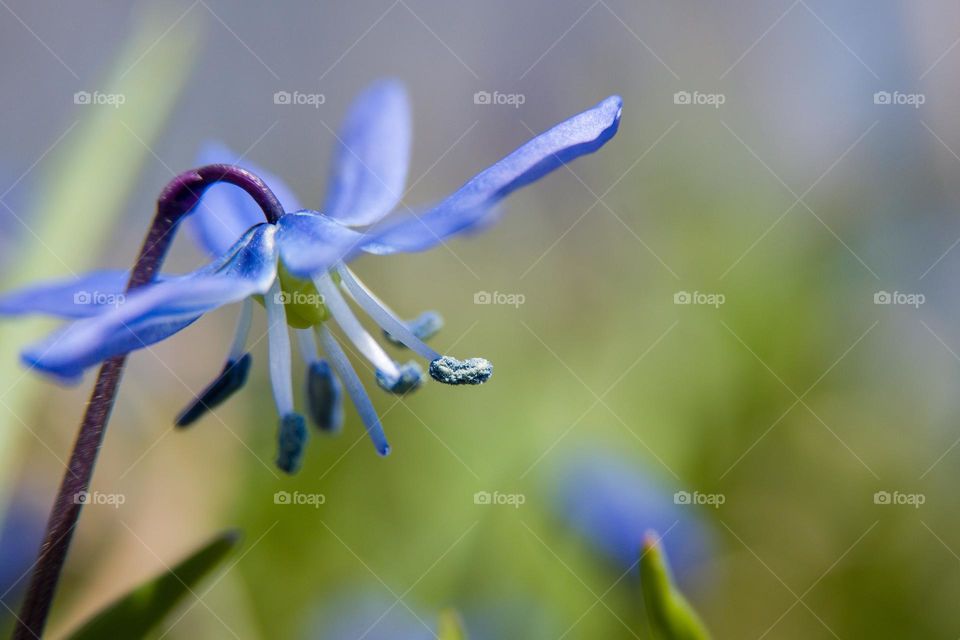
(135, 614)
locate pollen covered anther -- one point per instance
(410, 379)
(449, 370)
(230, 380)
(291, 441)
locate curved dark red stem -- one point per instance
(176, 200)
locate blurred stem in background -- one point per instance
(82, 193)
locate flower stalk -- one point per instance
(176, 200)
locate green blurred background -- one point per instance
(798, 399)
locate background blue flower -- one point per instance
(612, 501)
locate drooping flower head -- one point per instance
(297, 269)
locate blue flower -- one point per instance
(297, 269)
(612, 503)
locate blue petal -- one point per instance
(369, 168)
(226, 212)
(155, 312)
(464, 210)
(80, 297)
(311, 243)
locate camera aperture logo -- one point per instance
(498, 297)
(99, 298)
(299, 499)
(299, 99)
(899, 298)
(496, 98)
(714, 500)
(98, 98)
(914, 500)
(96, 498)
(899, 98)
(514, 500)
(699, 298)
(698, 98)
(299, 298)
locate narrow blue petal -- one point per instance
(311, 243)
(226, 212)
(470, 205)
(155, 312)
(80, 297)
(369, 168)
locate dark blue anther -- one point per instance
(324, 397)
(291, 441)
(410, 379)
(230, 380)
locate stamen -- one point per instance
(382, 315)
(243, 330)
(452, 371)
(424, 327)
(324, 394)
(355, 390)
(352, 328)
(279, 347)
(308, 346)
(410, 379)
(291, 441)
(324, 397)
(230, 380)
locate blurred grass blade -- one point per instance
(86, 181)
(671, 616)
(450, 626)
(134, 615)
